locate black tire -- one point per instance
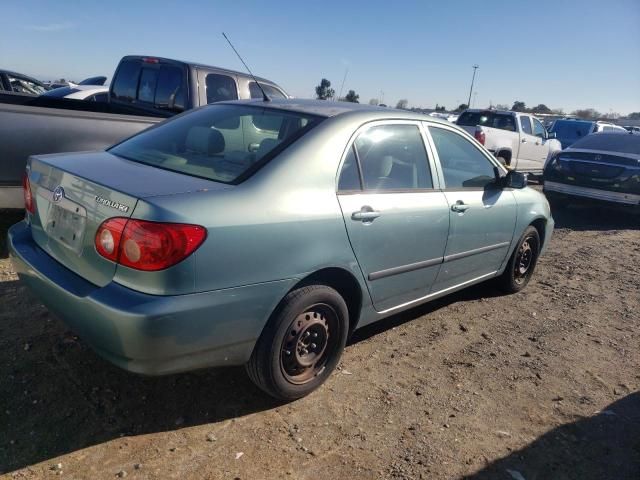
(522, 263)
(311, 324)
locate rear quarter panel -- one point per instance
(284, 222)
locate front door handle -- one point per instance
(524, 140)
(366, 214)
(460, 207)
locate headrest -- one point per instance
(205, 140)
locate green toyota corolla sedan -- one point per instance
(264, 233)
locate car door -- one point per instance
(542, 143)
(529, 152)
(396, 218)
(482, 216)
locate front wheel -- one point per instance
(522, 262)
(301, 344)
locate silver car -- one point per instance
(265, 233)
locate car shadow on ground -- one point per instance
(57, 396)
(603, 446)
(7, 218)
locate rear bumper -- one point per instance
(144, 333)
(616, 197)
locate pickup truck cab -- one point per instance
(518, 140)
(160, 85)
(144, 91)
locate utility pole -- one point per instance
(475, 67)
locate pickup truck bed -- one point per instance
(26, 130)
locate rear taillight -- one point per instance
(148, 246)
(480, 136)
(29, 205)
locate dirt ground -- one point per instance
(544, 384)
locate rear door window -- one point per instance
(220, 88)
(391, 157)
(271, 92)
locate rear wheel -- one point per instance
(301, 344)
(522, 262)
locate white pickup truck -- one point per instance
(518, 140)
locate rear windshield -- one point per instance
(224, 143)
(487, 119)
(155, 84)
(610, 142)
(571, 130)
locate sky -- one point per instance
(566, 54)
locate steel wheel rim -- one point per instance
(524, 260)
(309, 343)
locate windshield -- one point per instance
(219, 142)
(571, 130)
(487, 119)
(610, 142)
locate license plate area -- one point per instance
(66, 224)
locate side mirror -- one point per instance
(551, 135)
(515, 179)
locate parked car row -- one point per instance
(568, 131)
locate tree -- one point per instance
(586, 113)
(352, 97)
(324, 90)
(502, 106)
(634, 116)
(557, 111)
(402, 104)
(542, 108)
(519, 106)
(440, 108)
(461, 107)
(374, 101)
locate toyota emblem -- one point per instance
(58, 194)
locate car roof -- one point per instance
(17, 74)
(199, 65)
(330, 108)
(492, 110)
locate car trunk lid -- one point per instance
(75, 193)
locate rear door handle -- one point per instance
(366, 214)
(460, 207)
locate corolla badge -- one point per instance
(58, 194)
(112, 204)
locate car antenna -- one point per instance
(265, 97)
